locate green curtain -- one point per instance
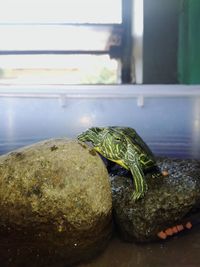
(189, 42)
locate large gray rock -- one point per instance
(171, 200)
(55, 204)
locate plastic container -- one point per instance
(167, 117)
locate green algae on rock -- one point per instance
(168, 202)
(55, 203)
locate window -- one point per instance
(65, 41)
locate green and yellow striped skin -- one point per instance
(125, 147)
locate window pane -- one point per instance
(60, 11)
(30, 26)
(53, 37)
(58, 69)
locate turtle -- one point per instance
(125, 147)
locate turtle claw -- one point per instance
(137, 195)
(140, 194)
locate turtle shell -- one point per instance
(144, 154)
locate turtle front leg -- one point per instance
(138, 177)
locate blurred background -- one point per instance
(68, 65)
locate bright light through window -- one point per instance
(58, 69)
(60, 11)
(58, 41)
(138, 18)
(53, 37)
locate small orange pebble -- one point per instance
(174, 229)
(180, 227)
(188, 225)
(165, 173)
(162, 235)
(169, 232)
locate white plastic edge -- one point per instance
(98, 91)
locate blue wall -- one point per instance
(170, 125)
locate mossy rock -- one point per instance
(171, 200)
(55, 204)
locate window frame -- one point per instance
(121, 52)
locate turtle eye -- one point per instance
(118, 139)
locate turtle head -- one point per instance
(92, 135)
(107, 141)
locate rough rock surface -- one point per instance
(168, 201)
(55, 204)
